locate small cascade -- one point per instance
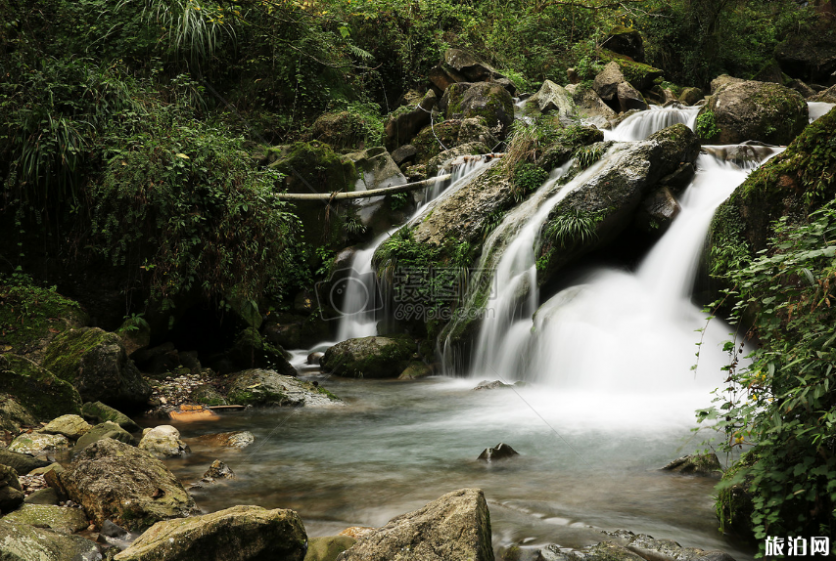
(819, 109)
(360, 302)
(643, 124)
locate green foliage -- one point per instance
(783, 402)
(588, 155)
(707, 127)
(399, 201)
(527, 177)
(572, 227)
(527, 140)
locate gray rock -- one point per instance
(499, 452)
(59, 518)
(104, 431)
(809, 56)
(114, 481)
(696, 464)
(37, 444)
(20, 542)
(657, 211)
(70, 426)
(827, 96)
(462, 66)
(607, 81)
(493, 103)
(98, 413)
(13, 415)
(723, 80)
(591, 106)
(370, 357)
(163, 442)
(36, 390)
(492, 385)
(376, 169)
(405, 154)
(269, 388)
(630, 98)
(552, 97)
(455, 527)
(240, 533)
(95, 362)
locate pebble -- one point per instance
(177, 390)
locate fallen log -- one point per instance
(341, 196)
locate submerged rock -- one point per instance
(696, 464)
(499, 452)
(96, 363)
(115, 481)
(235, 439)
(21, 542)
(240, 533)
(454, 527)
(268, 388)
(219, 470)
(416, 370)
(328, 548)
(370, 357)
(163, 442)
(495, 385)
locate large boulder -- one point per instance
(606, 82)
(827, 96)
(269, 388)
(369, 357)
(470, 136)
(640, 76)
(492, 102)
(810, 56)
(750, 110)
(97, 412)
(11, 493)
(630, 98)
(625, 41)
(59, 518)
(407, 121)
(163, 442)
(21, 542)
(657, 211)
(462, 66)
(36, 388)
(455, 527)
(590, 106)
(552, 97)
(117, 482)
(240, 533)
(95, 362)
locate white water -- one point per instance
(357, 297)
(643, 124)
(819, 109)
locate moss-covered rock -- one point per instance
(21, 542)
(461, 66)
(240, 533)
(328, 548)
(625, 41)
(370, 357)
(640, 76)
(104, 431)
(70, 426)
(344, 129)
(30, 317)
(207, 394)
(405, 122)
(493, 103)
(751, 110)
(696, 464)
(269, 388)
(431, 141)
(415, 371)
(96, 363)
(59, 518)
(97, 412)
(37, 389)
(250, 350)
(313, 166)
(37, 444)
(117, 482)
(551, 98)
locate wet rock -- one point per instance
(219, 470)
(499, 452)
(406, 122)
(376, 169)
(71, 426)
(11, 493)
(649, 548)
(314, 358)
(37, 444)
(269, 388)
(802, 88)
(405, 154)
(591, 106)
(104, 431)
(95, 363)
(657, 211)
(97, 412)
(235, 439)
(553, 552)
(415, 371)
(163, 442)
(241, 533)
(750, 110)
(610, 551)
(630, 98)
(827, 96)
(22, 463)
(48, 496)
(59, 518)
(696, 464)
(552, 97)
(491, 102)
(492, 385)
(370, 357)
(208, 394)
(625, 41)
(112, 480)
(328, 548)
(443, 159)
(37, 389)
(21, 542)
(454, 527)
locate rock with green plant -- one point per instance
(625, 41)
(104, 431)
(36, 389)
(96, 363)
(454, 526)
(493, 103)
(23, 542)
(640, 76)
(135, 333)
(357, 127)
(268, 388)
(240, 533)
(97, 413)
(117, 482)
(370, 357)
(750, 110)
(551, 97)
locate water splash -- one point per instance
(643, 124)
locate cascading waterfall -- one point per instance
(818, 109)
(643, 124)
(361, 302)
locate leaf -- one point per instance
(183, 156)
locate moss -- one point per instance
(455, 94)
(66, 351)
(29, 314)
(37, 389)
(641, 76)
(427, 145)
(706, 127)
(315, 165)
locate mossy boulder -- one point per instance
(493, 103)
(117, 482)
(313, 167)
(370, 357)
(59, 518)
(416, 370)
(551, 98)
(104, 431)
(751, 110)
(207, 394)
(97, 412)
(625, 41)
(30, 317)
(640, 76)
(461, 66)
(407, 121)
(70, 426)
(342, 129)
(250, 350)
(22, 542)
(431, 141)
(36, 388)
(96, 363)
(240, 533)
(328, 548)
(268, 388)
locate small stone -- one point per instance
(163, 442)
(71, 426)
(499, 452)
(219, 470)
(495, 385)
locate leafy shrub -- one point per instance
(707, 127)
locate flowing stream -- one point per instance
(609, 395)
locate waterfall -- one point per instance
(357, 296)
(643, 124)
(819, 109)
